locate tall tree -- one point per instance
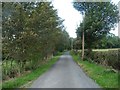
(31, 31)
(96, 24)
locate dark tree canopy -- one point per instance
(31, 31)
(100, 18)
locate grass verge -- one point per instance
(18, 82)
(105, 77)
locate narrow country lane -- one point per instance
(64, 74)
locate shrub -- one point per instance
(106, 58)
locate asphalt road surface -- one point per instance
(65, 73)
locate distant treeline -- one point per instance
(109, 41)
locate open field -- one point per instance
(103, 49)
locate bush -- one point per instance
(106, 58)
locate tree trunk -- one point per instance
(83, 46)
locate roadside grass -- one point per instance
(18, 82)
(105, 77)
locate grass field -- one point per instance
(18, 82)
(100, 74)
(103, 49)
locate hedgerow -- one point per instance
(107, 58)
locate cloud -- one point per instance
(72, 17)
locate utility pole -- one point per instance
(83, 41)
(83, 45)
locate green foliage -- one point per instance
(64, 43)
(109, 41)
(96, 24)
(106, 78)
(17, 82)
(77, 44)
(106, 58)
(31, 33)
